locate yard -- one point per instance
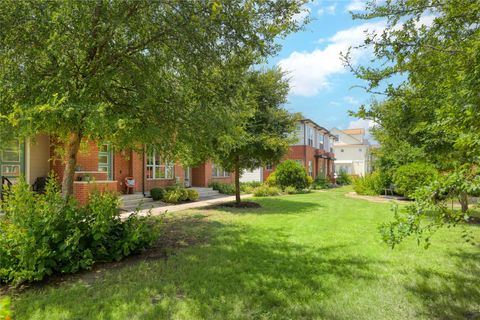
(310, 256)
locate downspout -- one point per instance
(143, 171)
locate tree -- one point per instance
(265, 135)
(131, 72)
(427, 71)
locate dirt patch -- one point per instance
(241, 205)
(377, 199)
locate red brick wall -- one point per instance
(82, 190)
(202, 176)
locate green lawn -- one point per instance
(310, 256)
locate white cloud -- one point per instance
(355, 5)
(310, 71)
(350, 100)
(331, 9)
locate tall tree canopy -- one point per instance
(132, 72)
(264, 136)
(432, 113)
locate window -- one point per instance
(105, 160)
(310, 136)
(156, 169)
(268, 167)
(218, 171)
(11, 152)
(10, 159)
(320, 140)
(310, 168)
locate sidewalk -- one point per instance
(158, 210)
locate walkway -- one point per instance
(161, 209)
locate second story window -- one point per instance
(158, 168)
(310, 136)
(320, 140)
(268, 167)
(218, 171)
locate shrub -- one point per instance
(343, 178)
(272, 180)
(157, 194)
(172, 195)
(321, 182)
(183, 194)
(372, 184)
(192, 195)
(309, 181)
(266, 191)
(291, 173)
(409, 177)
(42, 234)
(5, 313)
(225, 188)
(290, 190)
(247, 187)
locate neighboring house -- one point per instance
(352, 151)
(313, 150)
(102, 168)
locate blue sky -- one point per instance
(321, 85)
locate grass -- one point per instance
(308, 256)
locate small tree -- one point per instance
(265, 135)
(291, 174)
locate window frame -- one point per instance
(219, 172)
(154, 162)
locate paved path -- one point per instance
(161, 209)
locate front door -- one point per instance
(105, 160)
(187, 181)
(12, 160)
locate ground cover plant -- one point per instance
(42, 234)
(304, 256)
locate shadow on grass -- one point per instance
(272, 206)
(451, 296)
(232, 272)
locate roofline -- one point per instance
(319, 127)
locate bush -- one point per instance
(290, 190)
(157, 194)
(225, 188)
(372, 184)
(309, 181)
(343, 178)
(291, 174)
(320, 182)
(248, 187)
(42, 234)
(272, 180)
(266, 191)
(409, 177)
(192, 195)
(172, 195)
(183, 194)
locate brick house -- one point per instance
(313, 149)
(102, 168)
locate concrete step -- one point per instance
(206, 192)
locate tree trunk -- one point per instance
(72, 147)
(464, 201)
(237, 181)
